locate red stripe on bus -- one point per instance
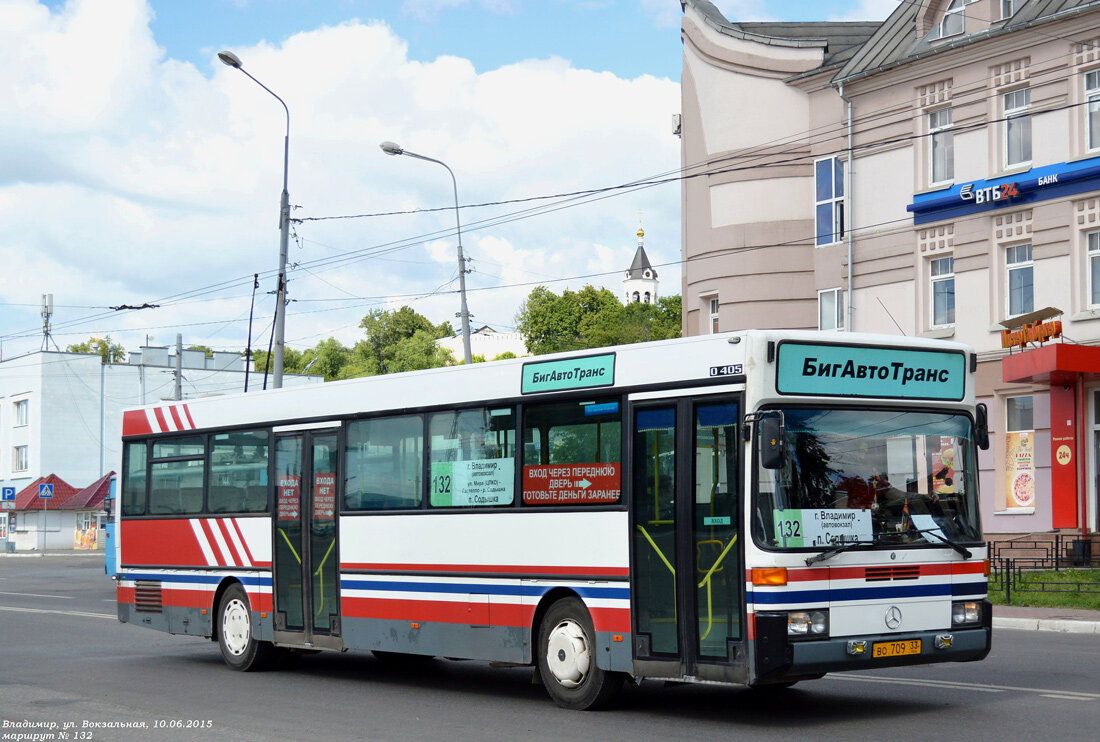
(172, 598)
(440, 611)
(176, 418)
(218, 556)
(503, 569)
(125, 595)
(156, 543)
(968, 568)
(188, 413)
(244, 543)
(260, 601)
(160, 420)
(611, 619)
(135, 422)
(750, 629)
(229, 542)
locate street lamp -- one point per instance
(391, 148)
(232, 60)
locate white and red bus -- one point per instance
(759, 508)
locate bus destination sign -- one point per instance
(855, 371)
(571, 373)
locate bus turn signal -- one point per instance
(769, 575)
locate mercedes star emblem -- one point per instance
(893, 617)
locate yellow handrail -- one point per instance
(292, 551)
(656, 549)
(321, 576)
(706, 581)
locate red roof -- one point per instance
(91, 496)
(28, 498)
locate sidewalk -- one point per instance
(1066, 620)
(52, 553)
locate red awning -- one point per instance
(1054, 363)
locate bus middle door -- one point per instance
(687, 575)
(305, 555)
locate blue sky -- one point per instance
(135, 168)
(627, 37)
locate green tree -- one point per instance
(593, 318)
(292, 361)
(204, 348)
(108, 351)
(392, 343)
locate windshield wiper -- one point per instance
(839, 548)
(966, 554)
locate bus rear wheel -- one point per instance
(240, 648)
(567, 659)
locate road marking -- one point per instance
(1065, 697)
(39, 595)
(61, 613)
(980, 687)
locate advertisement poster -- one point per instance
(477, 483)
(569, 484)
(1020, 470)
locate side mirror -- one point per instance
(981, 426)
(770, 437)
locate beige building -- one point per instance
(951, 156)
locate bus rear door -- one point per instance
(687, 566)
(305, 555)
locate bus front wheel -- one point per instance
(240, 649)
(567, 659)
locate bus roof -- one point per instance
(724, 358)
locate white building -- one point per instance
(61, 413)
(640, 283)
(487, 343)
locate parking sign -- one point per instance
(7, 494)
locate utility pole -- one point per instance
(179, 367)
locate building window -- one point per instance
(1093, 269)
(829, 203)
(1017, 104)
(1020, 280)
(1020, 414)
(85, 520)
(1092, 108)
(942, 271)
(953, 21)
(1007, 8)
(942, 145)
(830, 309)
(634, 297)
(21, 411)
(713, 303)
(19, 459)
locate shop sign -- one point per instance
(1036, 332)
(1038, 184)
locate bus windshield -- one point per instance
(869, 477)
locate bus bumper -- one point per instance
(784, 659)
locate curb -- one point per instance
(1063, 625)
(36, 554)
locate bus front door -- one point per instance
(305, 575)
(687, 565)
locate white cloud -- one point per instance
(427, 10)
(126, 176)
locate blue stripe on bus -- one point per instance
(854, 593)
(970, 588)
(249, 580)
(479, 589)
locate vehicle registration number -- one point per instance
(895, 649)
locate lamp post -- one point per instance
(232, 60)
(391, 148)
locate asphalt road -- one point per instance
(65, 658)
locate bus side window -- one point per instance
(384, 463)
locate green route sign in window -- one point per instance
(570, 373)
(853, 371)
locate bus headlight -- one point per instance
(808, 623)
(966, 612)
